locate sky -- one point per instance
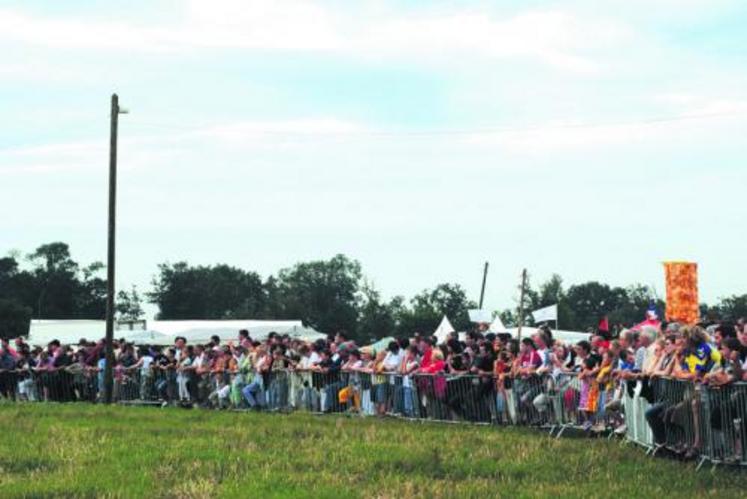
(590, 139)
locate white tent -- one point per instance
(557, 334)
(42, 332)
(70, 332)
(201, 331)
(443, 330)
(497, 326)
(145, 337)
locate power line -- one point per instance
(405, 134)
(491, 130)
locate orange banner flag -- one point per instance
(682, 292)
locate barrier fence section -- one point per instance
(692, 419)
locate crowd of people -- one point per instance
(477, 376)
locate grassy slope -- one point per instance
(82, 450)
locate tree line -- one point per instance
(328, 295)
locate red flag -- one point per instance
(604, 325)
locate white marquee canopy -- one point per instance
(42, 332)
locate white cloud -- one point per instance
(705, 121)
(261, 24)
(52, 158)
(549, 36)
(696, 104)
(141, 151)
(33, 71)
(554, 38)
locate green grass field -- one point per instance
(86, 451)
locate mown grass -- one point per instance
(96, 451)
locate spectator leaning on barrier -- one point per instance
(7, 374)
(723, 331)
(730, 368)
(407, 368)
(742, 337)
(664, 368)
(583, 352)
(484, 378)
(700, 356)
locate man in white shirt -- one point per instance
(144, 363)
(179, 343)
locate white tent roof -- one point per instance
(497, 326)
(42, 332)
(443, 329)
(145, 337)
(557, 334)
(201, 331)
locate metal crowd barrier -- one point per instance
(689, 419)
(565, 397)
(694, 420)
(636, 407)
(723, 417)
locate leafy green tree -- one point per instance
(532, 301)
(508, 318)
(709, 313)
(206, 292)
(419, 317)
(632, 306)
(733, 307)
(591, 301)
(14, 319)
(14, 316)
(54, 288)
(56, 281)
(428, 308)
(451, 300)
(129, 305)
(324, 294)
(376, 319)
(91, 296)
(8, 275)
(551, 292)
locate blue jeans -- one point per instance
(253, 393)
(310, 399)
(500, 403)
(331, 402)
(399, 398)
(408, 399)
(277, 394)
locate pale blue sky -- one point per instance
(591, 139)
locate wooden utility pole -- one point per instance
(110, 265)
(484, 278)
(521, 302)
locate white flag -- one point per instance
(480, 316)
(546, 314)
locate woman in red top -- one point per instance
(529, 360)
